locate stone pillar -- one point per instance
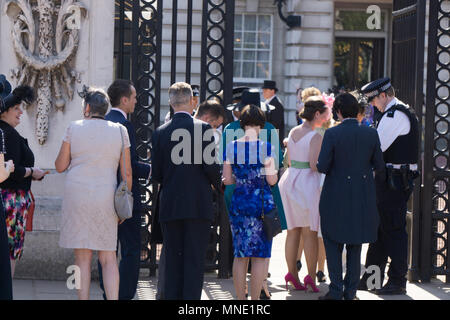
(309, 51)
(43, 258)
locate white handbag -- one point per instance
(123, 198)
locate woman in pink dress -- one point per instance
(300, 191)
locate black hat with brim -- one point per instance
(270, 84)
(250, 96)
(374, 88)
(5, 87)
(5, 91)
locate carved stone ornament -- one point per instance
(45, 36)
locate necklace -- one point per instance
(98, 117)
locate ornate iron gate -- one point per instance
(435, 257)
(407, 78)
(430, 225)
(138, 52)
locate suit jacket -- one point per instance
(228, 118)
(276, 117)
(185, 187)
(140, 170)
(348, 157)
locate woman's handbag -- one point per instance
(30, 214)
(123, 198)
(271, 220)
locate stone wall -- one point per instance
(43, 259)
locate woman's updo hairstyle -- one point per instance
(252, 116)
(97, 99)
(312, 105)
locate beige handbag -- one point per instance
(123, 198)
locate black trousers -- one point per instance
(343, 288)
(185, 245)
(5, 265)
(392, 239)
(129, 237)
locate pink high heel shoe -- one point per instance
(309, 281)
(290, 278)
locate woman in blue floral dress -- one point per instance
(250, 165)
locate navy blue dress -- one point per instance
(245, 211)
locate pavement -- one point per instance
(222, 289)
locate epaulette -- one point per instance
(391, 112)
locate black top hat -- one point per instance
(250, 96)
(374, 88)
(270, 84)
(195, 90)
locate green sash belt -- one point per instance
(299, 164)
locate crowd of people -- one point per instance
(340, 178)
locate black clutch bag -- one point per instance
(271, 220)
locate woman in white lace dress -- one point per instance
(91, 153)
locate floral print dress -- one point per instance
(245, 211)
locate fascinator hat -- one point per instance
(18, 95)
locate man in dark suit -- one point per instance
(123, 101)
(275, 117)
(348, 210)
(184, 163)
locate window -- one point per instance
(252, 47)
(361, 46)
(357, 20)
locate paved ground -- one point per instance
(220, 289)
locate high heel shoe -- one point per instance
(309, 281)
(265, 293)
(321, 276)
(290, 278)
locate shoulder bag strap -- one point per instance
(123, 155)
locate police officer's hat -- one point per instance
(374, 88)
(250, 96)
(237, 92)
(195, 90)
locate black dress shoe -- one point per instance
(328, 296)
(363, 286)
(320, 276)
(391, 289)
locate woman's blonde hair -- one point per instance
(309, 92)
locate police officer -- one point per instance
(399, 137)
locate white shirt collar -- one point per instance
(270, 99)
(349, 119)
(121, 111)
(390, 104)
